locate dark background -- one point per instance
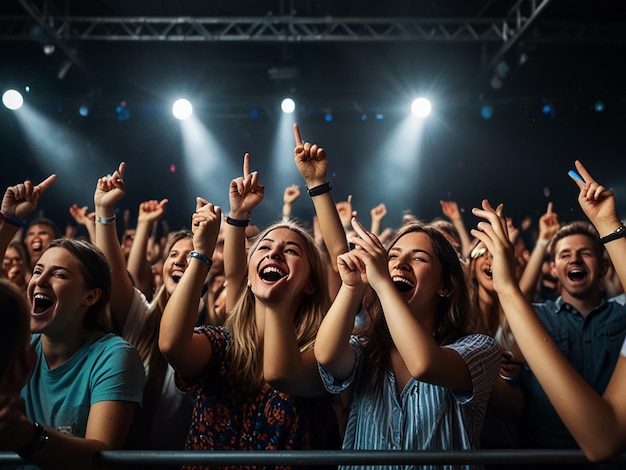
(520, 156)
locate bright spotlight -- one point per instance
(12, 99)
(421, 107)
(182, 109)
(288, 106)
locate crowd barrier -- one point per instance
(339, 457)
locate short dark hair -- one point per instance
(56, 233)
(578, 227)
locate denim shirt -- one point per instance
(591, 344)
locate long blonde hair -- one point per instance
(245, 351)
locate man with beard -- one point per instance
(588, 329)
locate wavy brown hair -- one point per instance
(453, 312)
(245, 351)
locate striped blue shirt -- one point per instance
(423, 416)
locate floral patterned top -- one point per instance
(227, 418)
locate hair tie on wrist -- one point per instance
(201, 257)
(11, 219)
(106, 220)
(321, 189)
(619, 232)
(237, 222)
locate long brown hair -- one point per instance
(453, 311)
(245, 350)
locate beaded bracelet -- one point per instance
(11, 219)
(237, 222)
(321, 189)
(39, 440)
(201, 257)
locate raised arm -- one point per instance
(548, 226)
(312, 164)
(244, 194)
(187, 352)
(377, 214)
(451, 210)
(110, 190)
(289, 196)
(597, 423)
(17, 203)
(425, 360)
(138, 265)
(82, 217)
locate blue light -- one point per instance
(486, 111)
(254, 113)
(83, 110)
(328, 117)
(380, 116)
(363, 117)
(549, 110)
(599, 106)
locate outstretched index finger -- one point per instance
(45, 184)
(296, 134)
(549, 209)
(122, 169)
(246, 164)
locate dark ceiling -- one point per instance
(351, 57)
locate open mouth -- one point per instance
(41, 303)
(576, 275)
(272, 274)
(36, 246)
(176, 276)
(488, 272)
(402, 284)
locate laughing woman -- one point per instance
(86, 384)
(419, 380)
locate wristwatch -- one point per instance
(38, 441)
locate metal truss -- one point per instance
(504, 32)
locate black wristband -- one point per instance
(39, 440)
(321, 189)
(237, 222)
(11, 219)
(618, 233)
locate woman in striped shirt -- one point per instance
(418, 379)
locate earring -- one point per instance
(443, 294)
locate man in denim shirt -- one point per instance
(588, 329)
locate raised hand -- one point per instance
(548, 224)
(80, 214)
(450, 209)
(378, 213)
(291, 194)
(245, 192)
(493, 232)
(205, 223)
(311, 160)
(110, 189)
(371, 253)
(596, 201)
(151, 211)
(21, 200)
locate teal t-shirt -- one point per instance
(105, 368)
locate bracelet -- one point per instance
(512, 381)
(105, 220)
(618, 233)
(39, 440)
(11, 219)
(237, 222)
(321, 189)
(543, 243)
(201, 257)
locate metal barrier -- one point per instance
(338, 457)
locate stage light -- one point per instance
(12, 99)
(182, 109)
(548, 110)
(83, 110)
(486, 111)
(363, 117)
(123, 113)
(328, 117)
(254, 113)
(599, 106)
(421, 107)
(379, 116)
(288, 106)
